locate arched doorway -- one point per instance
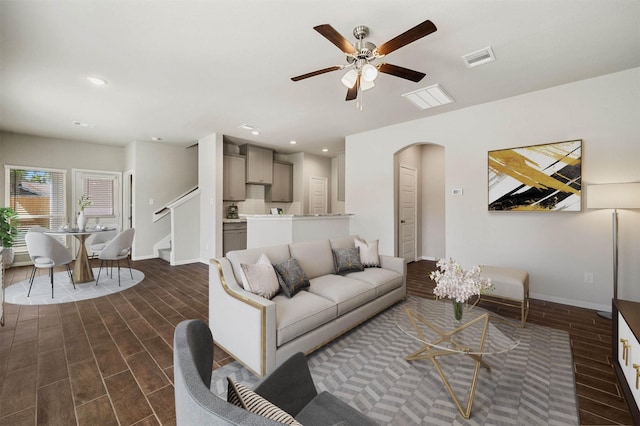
(419, 197)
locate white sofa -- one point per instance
(262, 333)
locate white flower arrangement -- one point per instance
(455, 283)
(84, 202)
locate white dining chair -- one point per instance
(99, 240)
(46, 253)
(117, 249)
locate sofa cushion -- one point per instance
(276, 254)
(302, 313)
(315, 257)
(383, 280)
(292, 277)
(346, 293)
(261, 278)
(347, 260)
(368, 253)
(240, 395)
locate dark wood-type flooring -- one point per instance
(108, 361)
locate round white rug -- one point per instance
(63, 290)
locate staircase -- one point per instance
(165, 254)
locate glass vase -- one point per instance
(457, 310)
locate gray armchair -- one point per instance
(290, 387)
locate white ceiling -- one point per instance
(182, 70)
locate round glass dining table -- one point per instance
(82, 271)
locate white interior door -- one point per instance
(407, 213)
(317, 195)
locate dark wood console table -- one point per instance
(626, 352)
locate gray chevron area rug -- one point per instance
(532, 384)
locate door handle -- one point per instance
(402, 221)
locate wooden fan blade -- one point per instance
(314, 73)
(401, 72)
(352, 93)
(409, 36)
(328, 32)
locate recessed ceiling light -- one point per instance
(246, 127)
(325, 150)
(156, 138)
(293, 142)
(255, 132)
(97, 80)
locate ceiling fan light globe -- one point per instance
(366, 85)
(369, 72)
(349, 79)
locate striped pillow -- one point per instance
(241, 396)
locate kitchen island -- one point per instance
(268, 230)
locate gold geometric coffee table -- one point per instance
(479, 333)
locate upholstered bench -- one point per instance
(511, 288)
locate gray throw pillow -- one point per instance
(292, 277)
(347, 260)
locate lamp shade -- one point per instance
(614, 196)
(366, 85)
(349, 79)
(369, 72)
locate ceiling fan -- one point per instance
(361, 57)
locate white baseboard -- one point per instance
(571, 302)
(428, 258)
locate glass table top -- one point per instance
(432, 322)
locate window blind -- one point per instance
(38, 197)
(101, 193)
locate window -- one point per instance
(103, 189)
(101, 193)
(37, 196)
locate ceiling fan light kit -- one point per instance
(361, 57)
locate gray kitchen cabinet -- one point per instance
(233, 178)
(259, 164)
(282, 187)
(234, 236)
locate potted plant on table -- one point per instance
(8, 232)
(457, 284)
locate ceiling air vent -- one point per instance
(479, 57)
(429, 97)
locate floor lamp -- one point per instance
(614, 196)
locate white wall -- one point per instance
(433, 214)
(35, 151)
(210, 160)
(316, 166)
(162, 173)
(556, 248)
(336, 205)
(26, 150)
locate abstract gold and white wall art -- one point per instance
(545, 177)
